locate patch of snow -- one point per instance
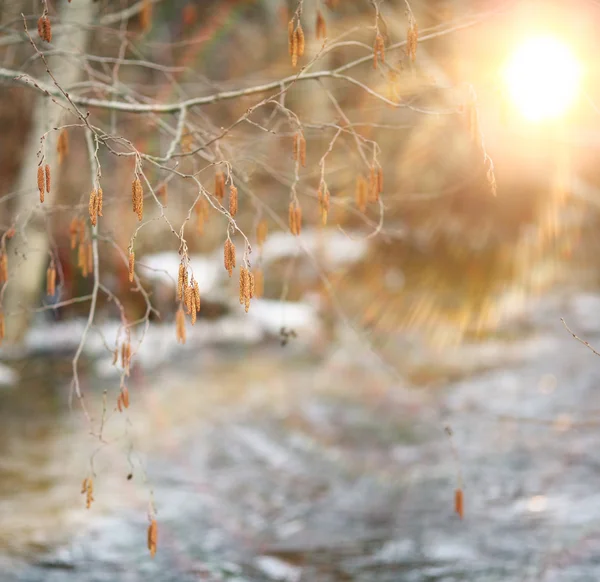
(276, 569)
(271, 315)
(54, 336)
(331, 247)
(8, 376)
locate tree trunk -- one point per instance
(28, 252)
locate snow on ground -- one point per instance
(8, 377)
(332, 247)
(265, 319)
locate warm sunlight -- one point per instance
(543, 77)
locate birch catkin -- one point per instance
(47, 177)
(180, 325)
(131, 265)
(229, 256)
(44, 28)
(459, 503)
(62, 145)
(295, 218)
(152, 537)
(233, 201)
(321, 26)
(137, 198)
(51, 280)
(41, 182)
(93, 207)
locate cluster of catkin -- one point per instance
(296, 41)
(123, 399)
(51, 279)
(247, 285)
(324, 198)
(43, 180)
(299, 148)
(188, 293)
(79, 240)
(125, 353)
(137, 198)
(369, 191)
(95, 205)
(87, 489)
(295, 217)
(44, 28)
(229, 256)
(412, 39)
(378, 51)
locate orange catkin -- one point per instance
(152, 537)
(302, 150)
(301, 40)
(99, 201)
(51, 280)
(93, 207)
(197, 296)
(131, 265)
(295, 218)
(321, 26)
(146, 16)
(291, 37)
(294, 49)
(3, 267)
(74, 232)
(44, 28)
(459, 502)
(219, 185)
(233, 201)
(229, 256)
(137, 198)
(47, 176)
(412, 40)
(87, 489)
(180, 325)
(62, 145)
(181, 281)
(41, 182)
(361, 193)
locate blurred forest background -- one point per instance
(432, 215)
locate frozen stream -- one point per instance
(271, 464)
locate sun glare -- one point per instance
(543, 78)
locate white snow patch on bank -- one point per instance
(332, 248)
